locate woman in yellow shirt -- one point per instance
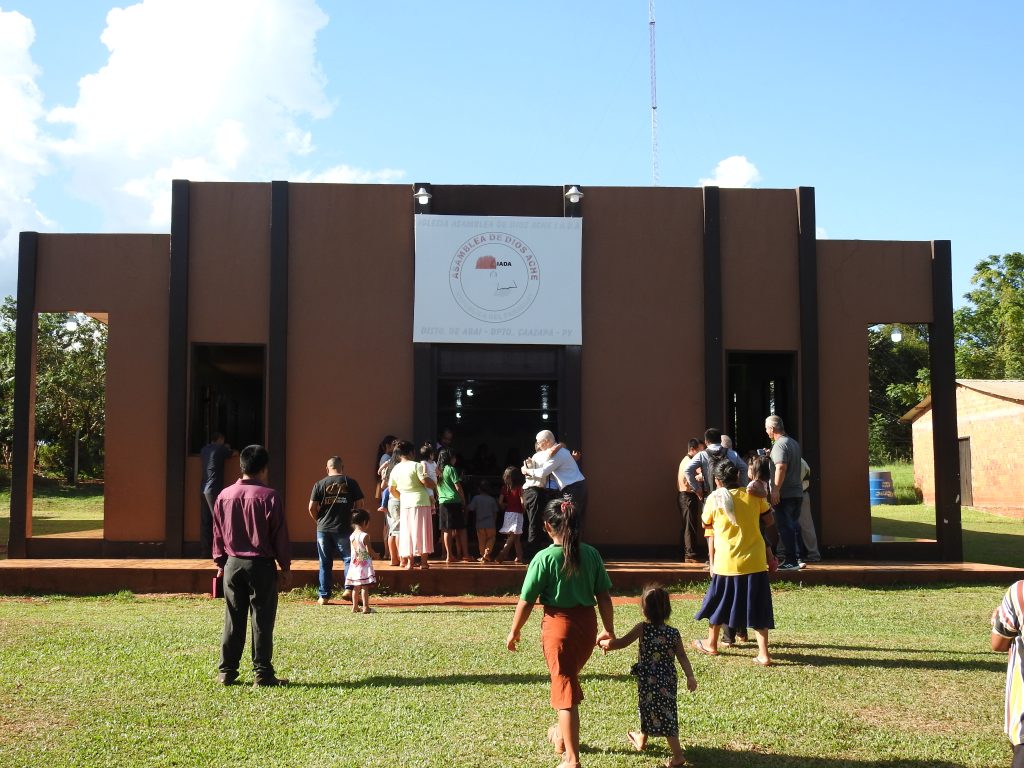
(740, 595)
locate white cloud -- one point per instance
(735, 171)
(22, 149)
(201, 90)
(344, 174)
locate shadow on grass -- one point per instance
(783, 658)
(979, 546)
(701, 756)
(401, 681)
(45, 525)
(876, 649)
(903, 529)
(45, 488)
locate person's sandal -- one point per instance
(698, 645)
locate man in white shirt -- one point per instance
(536, 496)
(561, 466)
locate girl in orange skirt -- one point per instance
(570, 579)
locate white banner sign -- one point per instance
(498, 280)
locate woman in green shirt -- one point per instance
(570, 579)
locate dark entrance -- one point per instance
(495, 421)
(760, 384)
(227, 394)
(512, 389)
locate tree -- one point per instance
(71, 351)
(899, 377)
(989, 331)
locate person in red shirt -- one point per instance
(249, 534)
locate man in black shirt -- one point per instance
(331, 504)
(211, 459)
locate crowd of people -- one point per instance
(423, 497)
(547, 494)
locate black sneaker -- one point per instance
(227, 678)
(790, 567)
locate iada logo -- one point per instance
(494, 277)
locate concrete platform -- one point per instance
(95, 576)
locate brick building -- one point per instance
(990, 425)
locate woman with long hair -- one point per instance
(739, 595)
(570, 579)
(410, 482)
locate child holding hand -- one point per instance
(660, 647)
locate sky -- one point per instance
(906, 117)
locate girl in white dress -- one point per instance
(361, 576)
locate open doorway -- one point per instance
(70, 403)
(899, 365)
(227, 394)
(760, 384)
(494, 422)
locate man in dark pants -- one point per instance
(249, 534)
(536, 496)
(211, 459)
(787, 491)
(558, 462)
(330, 504)
(695, 546)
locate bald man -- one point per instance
(563, 468)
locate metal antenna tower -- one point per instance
(654, 97)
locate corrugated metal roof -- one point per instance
(1008, 389)
(1005, 389)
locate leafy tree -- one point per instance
(71, 366)
(990, 330)
(898, 379)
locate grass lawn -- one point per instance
(893, 678)
(57, 509)
(988, 538)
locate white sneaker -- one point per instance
(321, 601)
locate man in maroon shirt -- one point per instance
(249, 534)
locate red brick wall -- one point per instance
(996, 430)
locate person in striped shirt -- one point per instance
(1007, 625)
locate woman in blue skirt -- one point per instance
(740, 595)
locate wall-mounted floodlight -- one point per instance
(896, 335)
(574, 195)
(422, 196)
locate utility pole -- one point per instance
(654, 98)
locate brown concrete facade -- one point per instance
(350, 363)
(125, 278)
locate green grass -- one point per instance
(894, 678)
(902, 481)
(988, 538)
(57, 509)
